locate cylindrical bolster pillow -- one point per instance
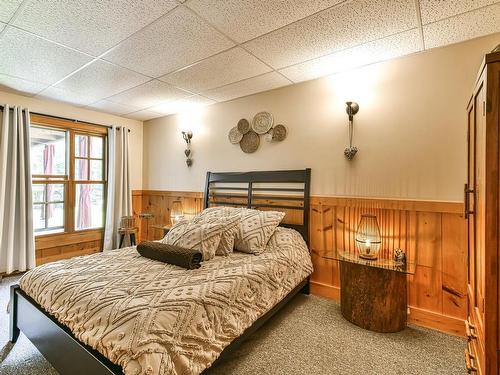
(179, 256)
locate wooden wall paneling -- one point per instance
(158, 203)
(454, 262)
(62, 246)
(426, 286)
(136, 210)
(322, 270)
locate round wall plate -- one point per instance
(250, 142)
(262, 122)
(279, 133)
(243, 126)
(234, 135)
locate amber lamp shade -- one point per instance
(176, 212)
(368, 239)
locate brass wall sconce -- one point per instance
(187, 138)
(351, 109)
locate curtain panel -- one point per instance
(119, 197)
(17, 243)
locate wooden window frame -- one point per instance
(73, 128)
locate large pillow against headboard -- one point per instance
(286, 191)
(253, 231)
(230, 218)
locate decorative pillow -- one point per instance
(230, 224)
(204, 237)
(255, 230)
(221, 211)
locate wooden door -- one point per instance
(477, 261)
(475, 207)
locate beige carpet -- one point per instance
(308, 337)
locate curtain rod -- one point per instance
(69, 119)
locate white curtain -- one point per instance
(17, 243)
(119, 198)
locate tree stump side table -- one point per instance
(373, 293)
(373, 298)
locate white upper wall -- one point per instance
(65, 110)
(410, 130)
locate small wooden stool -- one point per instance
(131, 232)
(127, 227)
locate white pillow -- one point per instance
(204, 237)
(256, 228)
(230, 226)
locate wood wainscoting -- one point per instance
(59, 246)
(158, 204)
(431, 233)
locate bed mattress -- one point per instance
(154, 318)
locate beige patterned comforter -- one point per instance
(154, 318)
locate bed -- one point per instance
(117, 312)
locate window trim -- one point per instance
(73, 128)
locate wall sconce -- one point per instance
(187, 137)
(368, 239)
(351, 109)
(176, 212)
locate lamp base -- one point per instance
(368, 256)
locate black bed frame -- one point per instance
(70, 356)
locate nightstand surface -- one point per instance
(385, 260)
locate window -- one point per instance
(89, 179)
(48, 167)
(69, 176)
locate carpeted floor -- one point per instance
(308, 337)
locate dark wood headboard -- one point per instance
(286, 191)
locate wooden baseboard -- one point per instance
(325, 290)
(430, 319)
(420, 317)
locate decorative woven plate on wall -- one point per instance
(250, 142)
(243, 126)
(262, 122)
(234, 135)
(279, 133)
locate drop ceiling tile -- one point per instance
(174, 41)
(111, 107)
(89, 26)
(379, 50)
(247, 19)
(143, 115)
(341, 27)
(26, 56)
(149, 94)
(226, 67)
(8, 8)
(183, 105)
(249, 86)
(463, 27)
(100, 80)
(67, 96)
(435, 10)
(20, 86)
